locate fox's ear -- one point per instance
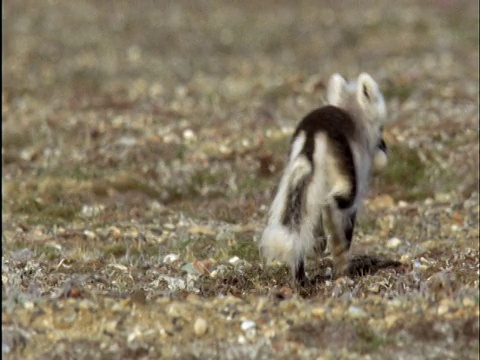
(370, 97)
(336, 90)
(367, 90)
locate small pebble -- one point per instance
(418, 265)
(318, 311)
(468, 302)
(443, 197)
(168, 259)
(390, 320)
(249, 328)
(189, 135)
(242, 340)
(235, 260)
(356, 312)
(200, 327)
(29, 305)
(393, 243)
(89, 234)
(169, 226)
(443, 309)
(115, 232)
(247, 325)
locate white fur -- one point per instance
(379, 160)
(362, 97)
(372, 107)
(364, 101)
(279, 202)
(371, 99)
(278, 241)
(316, 199)
(336, 90)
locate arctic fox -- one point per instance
(332, 153)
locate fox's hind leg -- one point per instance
(298, 271)
(319, 245)
(349, 226)
(341, 224)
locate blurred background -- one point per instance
(192, 102)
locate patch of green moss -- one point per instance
(205, 177)
(253, 183)
(116, 250)
(87, 79)
(278, 145)
(368, 339)
(350, 37)
(43, 212)
(245, 248)
(276, 93)
(191, 249)
(128, 183)
(148, 250)
(402, 92)
(405, 176)
(203, 183)
(50, 252)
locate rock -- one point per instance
(381, 202)
(115, 232)
(318, 311)
(468, 302)
(235, 260)
(198, 267)
(201, 230)
(247, 325)
(89, 234)
(445, 306)
(200, 327)
(169, 226)
(90, 211)
(170, 258)
(189, 135)
(390, 320)
(443, 197)
(393, 243)
(249, 328)
(356, 312)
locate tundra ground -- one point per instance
(141, 146)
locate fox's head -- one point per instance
(362, 98)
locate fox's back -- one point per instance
(336, 123)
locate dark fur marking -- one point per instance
(349, 227)
(292, 213)
(299, 273)
(382, 146)
(344, 202)
(365, 92)
(339, 126)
